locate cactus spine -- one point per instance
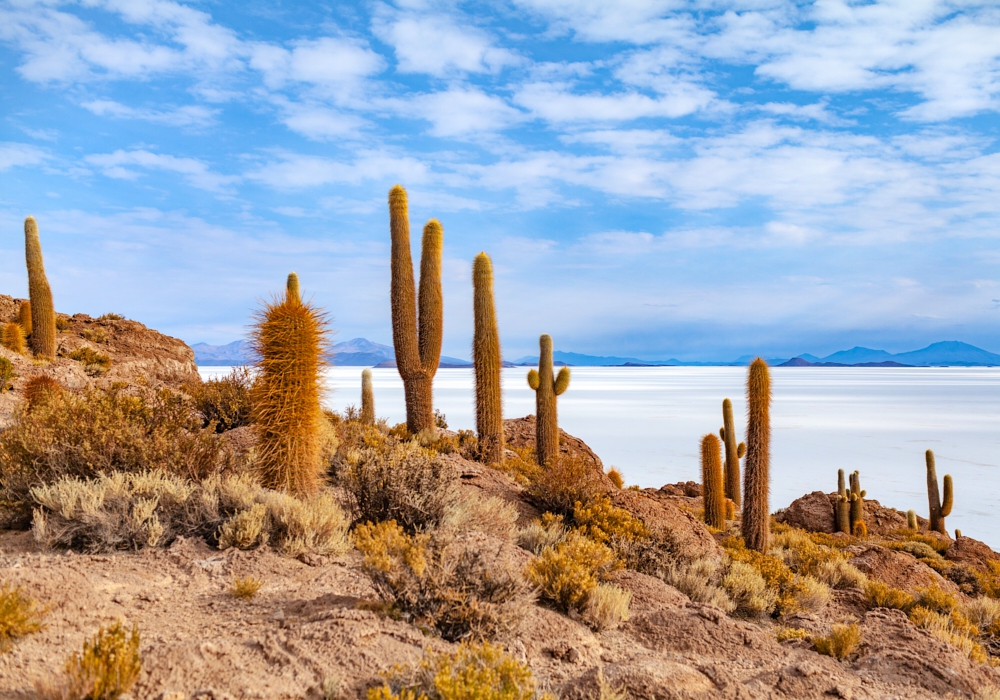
(367, 398)
(857, 514)
(486, 360)
(417, 338)
(911, 520)
(842, 511)
(756, 523)
(712, 486)
(290, 338)
(734, 453)
(12, 338)
(24, 317)
(43, 312)
(546, 390)
(939, 510)
(292, 291)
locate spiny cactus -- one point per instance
(712, 487)
(290, 338)
(939, 510)
(292, 291)
(958, 533)
(857, 515)
(842, 511)
(486, 361)
(756, 525)
(417, 338)
(24, 317)
(734, 453)
(12, 337)
(43, 312)
(367, 398)
(546, 390)
(7, 374)
(911, 520)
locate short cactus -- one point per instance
(939, 510)
(486, 362)
(12, 338)
(734, 452)
(292, 291)
(367, 398)
(756, 524)
(43, 312)
(842, 510)
(7, 374)
(857, 513)
(712, 486)
(24, 317)
(958, 533)
(546, 390)
(911, 520)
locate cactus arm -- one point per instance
(562, 381)
(741, 450)
(431, 318)
(948, 496)
(722, 433)
(292, 290)
(533, 381)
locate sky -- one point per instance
(652, 178)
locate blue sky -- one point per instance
(652, 178)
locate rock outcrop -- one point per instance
(814, 512)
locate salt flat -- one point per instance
(648, 421)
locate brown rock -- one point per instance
(899, 569)
(814, 513)
(520, 433)
(974, 553)
(689, 536)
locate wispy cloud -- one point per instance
(123, 165)
(188, 115)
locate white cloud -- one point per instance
(459, 111)
(288, 170)
(555, 102)
(817, 112)
(318, 122)
(197, 173)
(13, 155)
(188, 115)
(334, 64)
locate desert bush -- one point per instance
(20, 615)
(439, 581)
(840, 574)
(794, 593)
(605, 523)
(224, 402)
(938, 544)
(111, 317)
(7, 374)
(62, 323)
(882, 595)
(570, 480)
(748, 591)
(94, 335)
(245, 587)
(953, 628)
(811, 595)
(933, 598)
(607, 607)
(920, 550)
(785, 634)
(989, 580)
(840, 643)
(398, 481)
(488, 514)
(567, 573)
(984, 613)
(94, 363)
(107, 669)
(521, 466)
(472, 672)
(700, 580)
(546, 532)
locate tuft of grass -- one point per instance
(607, 607)
(107, 668)
(933, 598)
(785, 634)
(546, 532)
(245, 587)
(110, 317)
(701, 580)
(748, 590)
(94, 335)
(567, 573)
(841, 641)
(20, 615)
(94, 363)
(62, 324)
(882, 595)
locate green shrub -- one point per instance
(94, 363)
(20, 615)
(224, 402)
(840, 643)
(568, 572)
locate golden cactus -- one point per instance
(24, 317)
(546, 390)
(417, 337)
(842, 510)
(734, 453)
(292, 291)
(12, 338)
(712, 487)
(290, 339)
(367, 398)
(857, 510)
(911, 520)
(486, 361)
(756, 524)
(939, 511)
(43, 312)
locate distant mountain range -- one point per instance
(364, 353)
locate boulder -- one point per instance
(973, 553)
(520, 433)
(689, 537)
(814, 513)
(898, 569)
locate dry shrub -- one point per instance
(94, 363)
(94, 335)
(439, 581)
(933, 598)
(607, 607)
(953, 628)
(567, 573)
(748, 591)
(605, 523)
(989, 580)
(7, 374)
(938, 544)
(40, 389)
(794, 592)
(546, 532)
(570, 480)
(472, 672)
(700, 580)
(840, 574)
(224, 402)
(245, 587)
(882, 595)
(107, 669)
(811, 595)
(521, 466)
(488, 514)
(20, 615)
(111, 317)
(785, 634)
(984, 613)
(131, 511)
(841, 641)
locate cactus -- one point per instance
(292, 291)
(7, 374)
(857, 511)
(958, 533)
(939, 510)
(546, 390)
(486, 360)
(43, 313)
(367, 398)
(417, 338)
(24, 317)
(12, 337)
(842, 511)
(290, 338)
(756, 525)
(730, 509)
(712, 486)
(911, 520)
(734, 453)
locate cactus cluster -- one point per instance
(857, 513)
(734, 453)
(712, 487)
(756, 525)
(486, 362)
(938, 510)
(416, 332)
(547, 388)
(43, 313)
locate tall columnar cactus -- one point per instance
(756, 524)
(24, 317)
(842, 511)
(857, 514)
(734, 453)
(939, 510)
(290, 338)
(486, 360)
(12, 337)
(417, 337)
(367, 398)
(43, 312)
(712, 487)
(292, 291)
(547, 389)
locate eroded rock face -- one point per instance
(965, 550)
(898, 569)
(690, 537)
(814, 513)
(520, 432)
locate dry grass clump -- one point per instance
(700, 580)
(546, 532)
(94, 363)
(568, 572)
(94, 335)
(748, 591)
(521, 467)
(607, 607)
(841, 641)
(840, 574)
(224, 402)
(245, 587)
(805, 556)
(490, 514)
(933, 598)
(882, 595)
(7, 374)
(123, 511)
(20, 615)
(785, 634)
(441, 582)
(989, 580)
(473, 672)
(953, 628)
(984, 613)
(570, 480)
(107, 669)
(605, 523)
(795, 592)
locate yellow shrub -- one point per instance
(954, 628)
(387, 547)
(568, 572)
(108, 667)
(607, 607)
(571, 479)
(990, 579)
(933, 598)
(603, 522)
(245, 587)
(94, 362)
(748, 590)
(841, 641)
(774, 571)
(786, 633)
(882, 595)
(522, 467)
(20, 615)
